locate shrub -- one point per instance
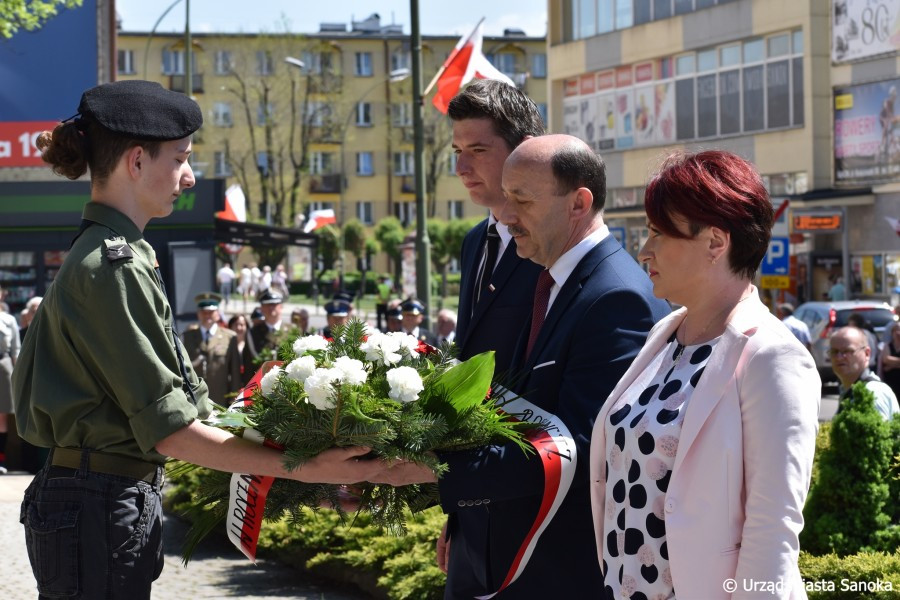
(831, 577)
(847, 502)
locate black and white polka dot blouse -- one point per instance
(642, 434)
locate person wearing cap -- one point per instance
(213, 350)
(393, 317)
(266, 335)
(413, 312)
(337, 312)
(102, 378)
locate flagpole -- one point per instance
(423, 244)
(449, 58)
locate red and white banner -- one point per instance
(235, 205)
(319, 219)
(247, 493)
(17, 143)
(559, 457)
(465, 62)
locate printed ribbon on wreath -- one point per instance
(559, 456)
(247, 493)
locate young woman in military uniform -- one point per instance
(102, 379)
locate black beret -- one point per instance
(142, 110)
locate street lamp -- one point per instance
(393, 77)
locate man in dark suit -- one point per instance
(491, 118)
(593, 307)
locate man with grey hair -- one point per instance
(849, 351)
(446, 326)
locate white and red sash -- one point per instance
(559, 457)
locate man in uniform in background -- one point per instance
(413, 312)
(213, 350)
(266, 333)
(337, 312)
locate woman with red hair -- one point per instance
(701, 456)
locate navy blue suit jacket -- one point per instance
(594, 329)
(498, 319)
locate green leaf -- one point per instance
(467, 383)
(229, 419)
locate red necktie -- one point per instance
(541, 300)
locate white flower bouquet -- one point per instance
(386, 392)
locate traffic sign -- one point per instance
(774, 282)
(777, 259)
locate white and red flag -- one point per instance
(465, 62)
(319, 219)
(235, 205)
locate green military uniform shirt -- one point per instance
(98, 367)
(216, 360)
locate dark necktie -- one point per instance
(539, 311)
(492, 247)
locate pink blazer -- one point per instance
(734, 505)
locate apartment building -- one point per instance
(310, 111)
(639, 78)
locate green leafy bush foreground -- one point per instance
(873, 575)
(358, 552)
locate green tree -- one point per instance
(846, 509)
(29, 14)
(390, 234)
(328, 247)
(355, 236)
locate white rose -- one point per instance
(381, 348)
(319, 387)
(405, 384)
(353, 370)
(310, 342)
(267, 384)
(301, 368)
(407, 343)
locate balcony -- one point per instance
(325, 184)
(176, 83)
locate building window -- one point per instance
(405, 212)
(221, 167)
(364, 212)
(401, 114)
(264, 63)
(318, 114)
(363, 114)
(505, 62)
(539, 65)
(320, 206)
(399, 59)
(451, 163)
(172, 62)
(264, 163)
(363, 64)
(403, 163)
(222, 114)
(746, 87)
(454, 209)
(318, 63)
(265, 113)
(364, 163)
(125, 62)
(223, 62)
(321, 163)
(542, 110)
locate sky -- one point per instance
(436, 17)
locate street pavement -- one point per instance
(217, 570)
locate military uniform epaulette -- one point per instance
(117, 249)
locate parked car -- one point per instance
(823, 318)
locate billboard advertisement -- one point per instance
(867, 133)
(39, 87)
(864, 28)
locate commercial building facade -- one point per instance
(640, 78)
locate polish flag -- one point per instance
(895, 223)
(465, 62)
(318, 219)
(235, 205)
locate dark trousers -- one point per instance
(91, 535)
(381, 313)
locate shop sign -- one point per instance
(864, 28)
(774, 282)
